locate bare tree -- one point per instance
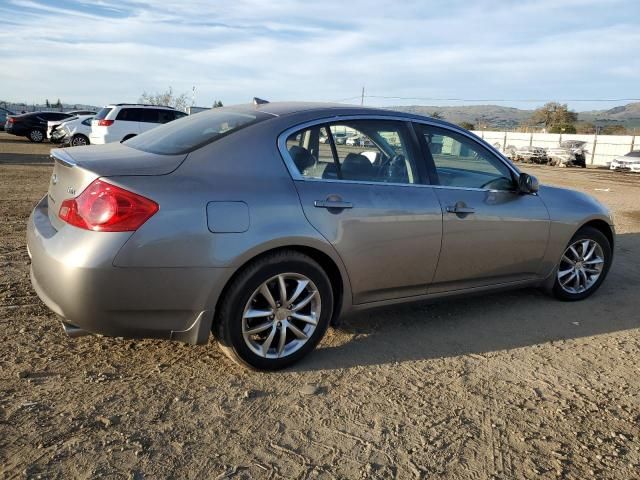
(167, 98)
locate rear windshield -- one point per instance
(194, 131)
(102, 114)
(635, 153)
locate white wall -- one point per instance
(601, 149)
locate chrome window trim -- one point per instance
(296, 176)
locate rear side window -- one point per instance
(102, 114)
(195, 131)
(165, 116)
(87, 121)
(133, 114)
(150, 115)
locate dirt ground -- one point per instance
(507, 386)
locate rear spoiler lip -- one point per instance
(60, 155)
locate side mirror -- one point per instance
(528, 183)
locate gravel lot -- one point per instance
(514, 385)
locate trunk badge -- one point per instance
(54, 179)
(71, 191)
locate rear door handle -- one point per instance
(332, 204)
(457, 209)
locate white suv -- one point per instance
(119, 122)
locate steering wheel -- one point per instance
(394, 168)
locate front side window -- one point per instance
(362, 150)
(461, 162)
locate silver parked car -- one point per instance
(240, 222)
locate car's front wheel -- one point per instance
(583, 265)
(275, 311)
(36, 135)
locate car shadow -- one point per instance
(483, 324)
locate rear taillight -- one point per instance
(11, 120)
(105, 123)
(103, 207)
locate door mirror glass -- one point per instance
(528, 183)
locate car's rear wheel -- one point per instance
(583, 265)
(79, 140)
(36, 135)
(275, 311)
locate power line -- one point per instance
(436, 99)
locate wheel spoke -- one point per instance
(305, 318)
(255, 313)
(283, 338)
(591, 251)
(585, 246)
(269, 340)
(297, 332)
(574, 252)
(304, 302)
(259, 328)
(266, 293)
(283, 289)
(302, 284)
(595, 261)
(564, 273)
(568, 260)
(583, 278)
(573, 275)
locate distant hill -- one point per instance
(496, 116)
(20, 107)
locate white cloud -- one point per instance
(106, 51)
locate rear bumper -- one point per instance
(73, 274)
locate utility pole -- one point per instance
(362, 97)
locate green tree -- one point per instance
(436, 115)
(58, 104)
(167, 98)
(562, 128)
(614, 130)
(553, 114)
(467, 125)
(47, 103)
(217, 104)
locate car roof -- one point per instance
(282, 109)
(144, 105)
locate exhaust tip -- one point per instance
(73, 331)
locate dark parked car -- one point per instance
(4, 113)
(239, 221)
(33, 125)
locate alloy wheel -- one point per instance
(281, 315)
(581, 266)
(78, 141)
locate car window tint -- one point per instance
(374, 151)
(87, 121)
(310, 151)
(102, 114)
(179, 114)
(462, 162)
(150, 115)
(132, 114)
(195, 131)
(165, 116)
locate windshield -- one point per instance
(194, 131)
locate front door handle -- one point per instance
(460, 209)
(332, 204)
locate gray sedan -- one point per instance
(241, 222)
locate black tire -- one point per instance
(229, 316)
(79, 140)
(36, 135)
(586, 233)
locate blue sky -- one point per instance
(105, 51)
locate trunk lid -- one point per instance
(75, 168)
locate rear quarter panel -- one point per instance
(243, 167)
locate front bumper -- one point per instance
(72, 272)
(625, 167)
